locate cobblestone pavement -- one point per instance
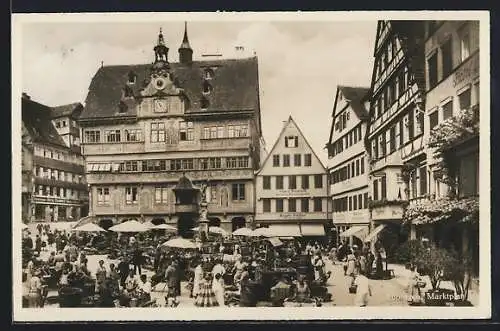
(384, 292)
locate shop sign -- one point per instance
(292, 192)
(292, 215)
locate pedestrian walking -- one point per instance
(123, 269)
(363, 290)
(137, 260)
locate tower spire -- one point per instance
(161, 49)
(185, 50)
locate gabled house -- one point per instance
(292, 187)
(348, 164)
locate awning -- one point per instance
(356, 231)
(312, 229)
(285, 230)
(374, 233)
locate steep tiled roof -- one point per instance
(37, 121)
(235, 86)
(356, 97)
(71, 109)
(184, 183)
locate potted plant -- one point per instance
(439, 264)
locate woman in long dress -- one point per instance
(351, 265)
(206, 297)
(197, 279)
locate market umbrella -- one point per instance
(164, 227)
(217, 230)
(263, 232)
(244, 232)
(179, 243)
(89, 227)
(129, 226)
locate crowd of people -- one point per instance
(219, 272)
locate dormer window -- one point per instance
(132, 77)
(204, 103)
(127, 92)
(208, 74)
(207, 88)
(122, 107)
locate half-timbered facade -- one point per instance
(396, 126)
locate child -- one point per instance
(363, 290)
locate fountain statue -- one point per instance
(203, 220)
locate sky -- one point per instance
(300, 62)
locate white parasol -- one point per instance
(164, 227)
(129, 226)
(263, 232)
(89, 227)
(217, 230)
(244, 232)
(179, 243)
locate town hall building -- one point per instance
(147, 126)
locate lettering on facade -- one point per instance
(293, 192)
(292, 215)
(467, 72)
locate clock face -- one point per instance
(159, 83)
(160, 106)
